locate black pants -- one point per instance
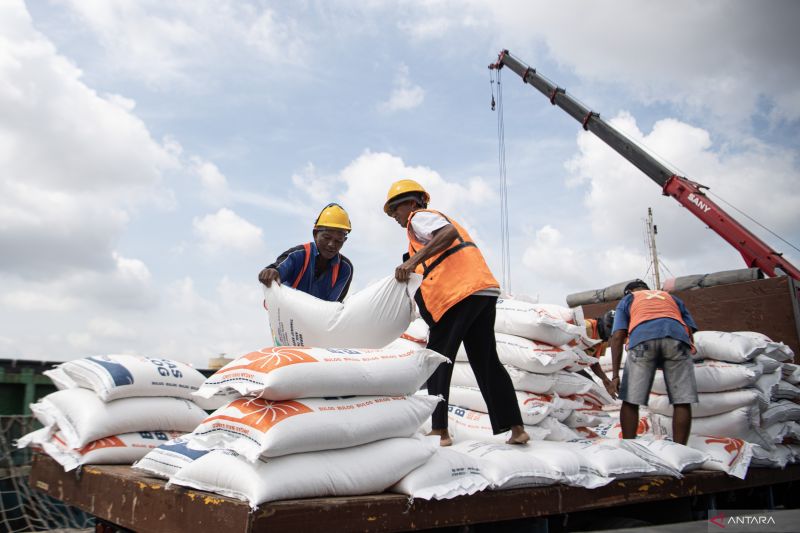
(471, 321)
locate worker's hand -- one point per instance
(612, 387)
(268, 275)
(404, 271)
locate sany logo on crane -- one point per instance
(698, 202)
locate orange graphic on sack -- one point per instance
(261, 414)
(266, 360)
(731, 445)
(106, 442)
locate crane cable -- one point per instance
(501, 157)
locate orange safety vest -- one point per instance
(307, 250)
(649, 305)
(453, 274)
(591, 331)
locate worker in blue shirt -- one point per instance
(660, 334)
(317, 267)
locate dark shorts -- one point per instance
(640, 368)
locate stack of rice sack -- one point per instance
(744, 405)
(541, 346)
(114, 409)
(309, 422)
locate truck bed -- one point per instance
(122, 496)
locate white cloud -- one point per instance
(161, 43)
(405, 95)
(226, 230)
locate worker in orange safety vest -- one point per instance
(317, 267)
(457, 300)
(660, 334)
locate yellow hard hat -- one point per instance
(333, 216)
(402, 188)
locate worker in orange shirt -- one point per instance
(457, 300)
(599, 329)
(660, 334)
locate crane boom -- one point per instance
(754, 251)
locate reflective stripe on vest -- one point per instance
(650, 305)
(307, 250)
(452, 275)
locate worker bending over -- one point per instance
(660, 331)
(599, 329)
(317, 267)
(457, 300)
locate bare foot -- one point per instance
(444, 436)
(518, 435)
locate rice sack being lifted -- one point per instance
(371, 318)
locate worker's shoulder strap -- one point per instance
(306, 258)
(428, 267)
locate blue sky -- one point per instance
(154, 156)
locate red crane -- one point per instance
(755, 252)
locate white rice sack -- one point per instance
(613, 429)
(508, 466)
(114, 450)
(83, 417)
(726, 454)
(660, 466)
(558, 431)
(166, 460)
(710, 403)
(606, 363)
(581, 418)
(716, 376)
(786, 391)
(741, 423)
(521, 379)
(60, 378)
(287, 373)
(533, 407)
(569, 384)
(776, 350)
(777, 457)
(371, 318)
(791, 373)
(723, 346)
(677, 456)
(607, 459)
(767, 385)
(781, 431)
(569, 462)
(464, 424)
(256, 427)
(536, 322)
(768, 364)
(113, 377)
(530, 355)
(365, 469)
(447, 474)
(780, 411)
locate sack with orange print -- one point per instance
(465, 424)
(530, 355)
(613, 430)
(254, 427)
(741, 423)
(121, 449)
(370, 318)
(286, 373)
(463, 376)
(726, 454)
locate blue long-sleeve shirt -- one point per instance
(320, 284)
